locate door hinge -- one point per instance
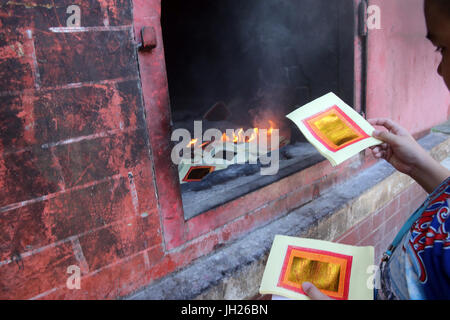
(148, 39)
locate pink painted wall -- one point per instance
(403, 83)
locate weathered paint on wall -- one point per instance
(403, 83)
(75, 172)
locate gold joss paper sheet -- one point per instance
(336, 130)
(339, 271)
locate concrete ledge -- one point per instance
(442, 128)
(235, 271)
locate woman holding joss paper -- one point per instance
(417, 265)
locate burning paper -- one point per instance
(336, 130)
(233, 147)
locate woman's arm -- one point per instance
(403, 152)
(429, 174)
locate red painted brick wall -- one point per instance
(85, 175)
(381, 227)
(75, 171)
(403, 83)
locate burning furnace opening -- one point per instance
(244, 65)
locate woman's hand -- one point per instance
(403, 152)
(400, 149)
(312, 292)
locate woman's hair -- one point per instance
(445, 5)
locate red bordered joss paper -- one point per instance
(336, 130)
(339, 271)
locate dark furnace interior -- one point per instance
(238, 64)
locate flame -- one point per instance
(225, 137)
(241, 136)
(205, 144)
(192, 143)
(254, 135)
(237, 137)
(272, 125)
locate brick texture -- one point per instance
(76, 179)
(65, 58)
(380, 228)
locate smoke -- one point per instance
(252, 54)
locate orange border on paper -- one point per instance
(342, 116)
(344, 261)
(185, 179)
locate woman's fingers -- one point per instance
(387, 137)
(388, 124)
(383, 122)
(381, 155)
(379, 152)
(314, 293)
